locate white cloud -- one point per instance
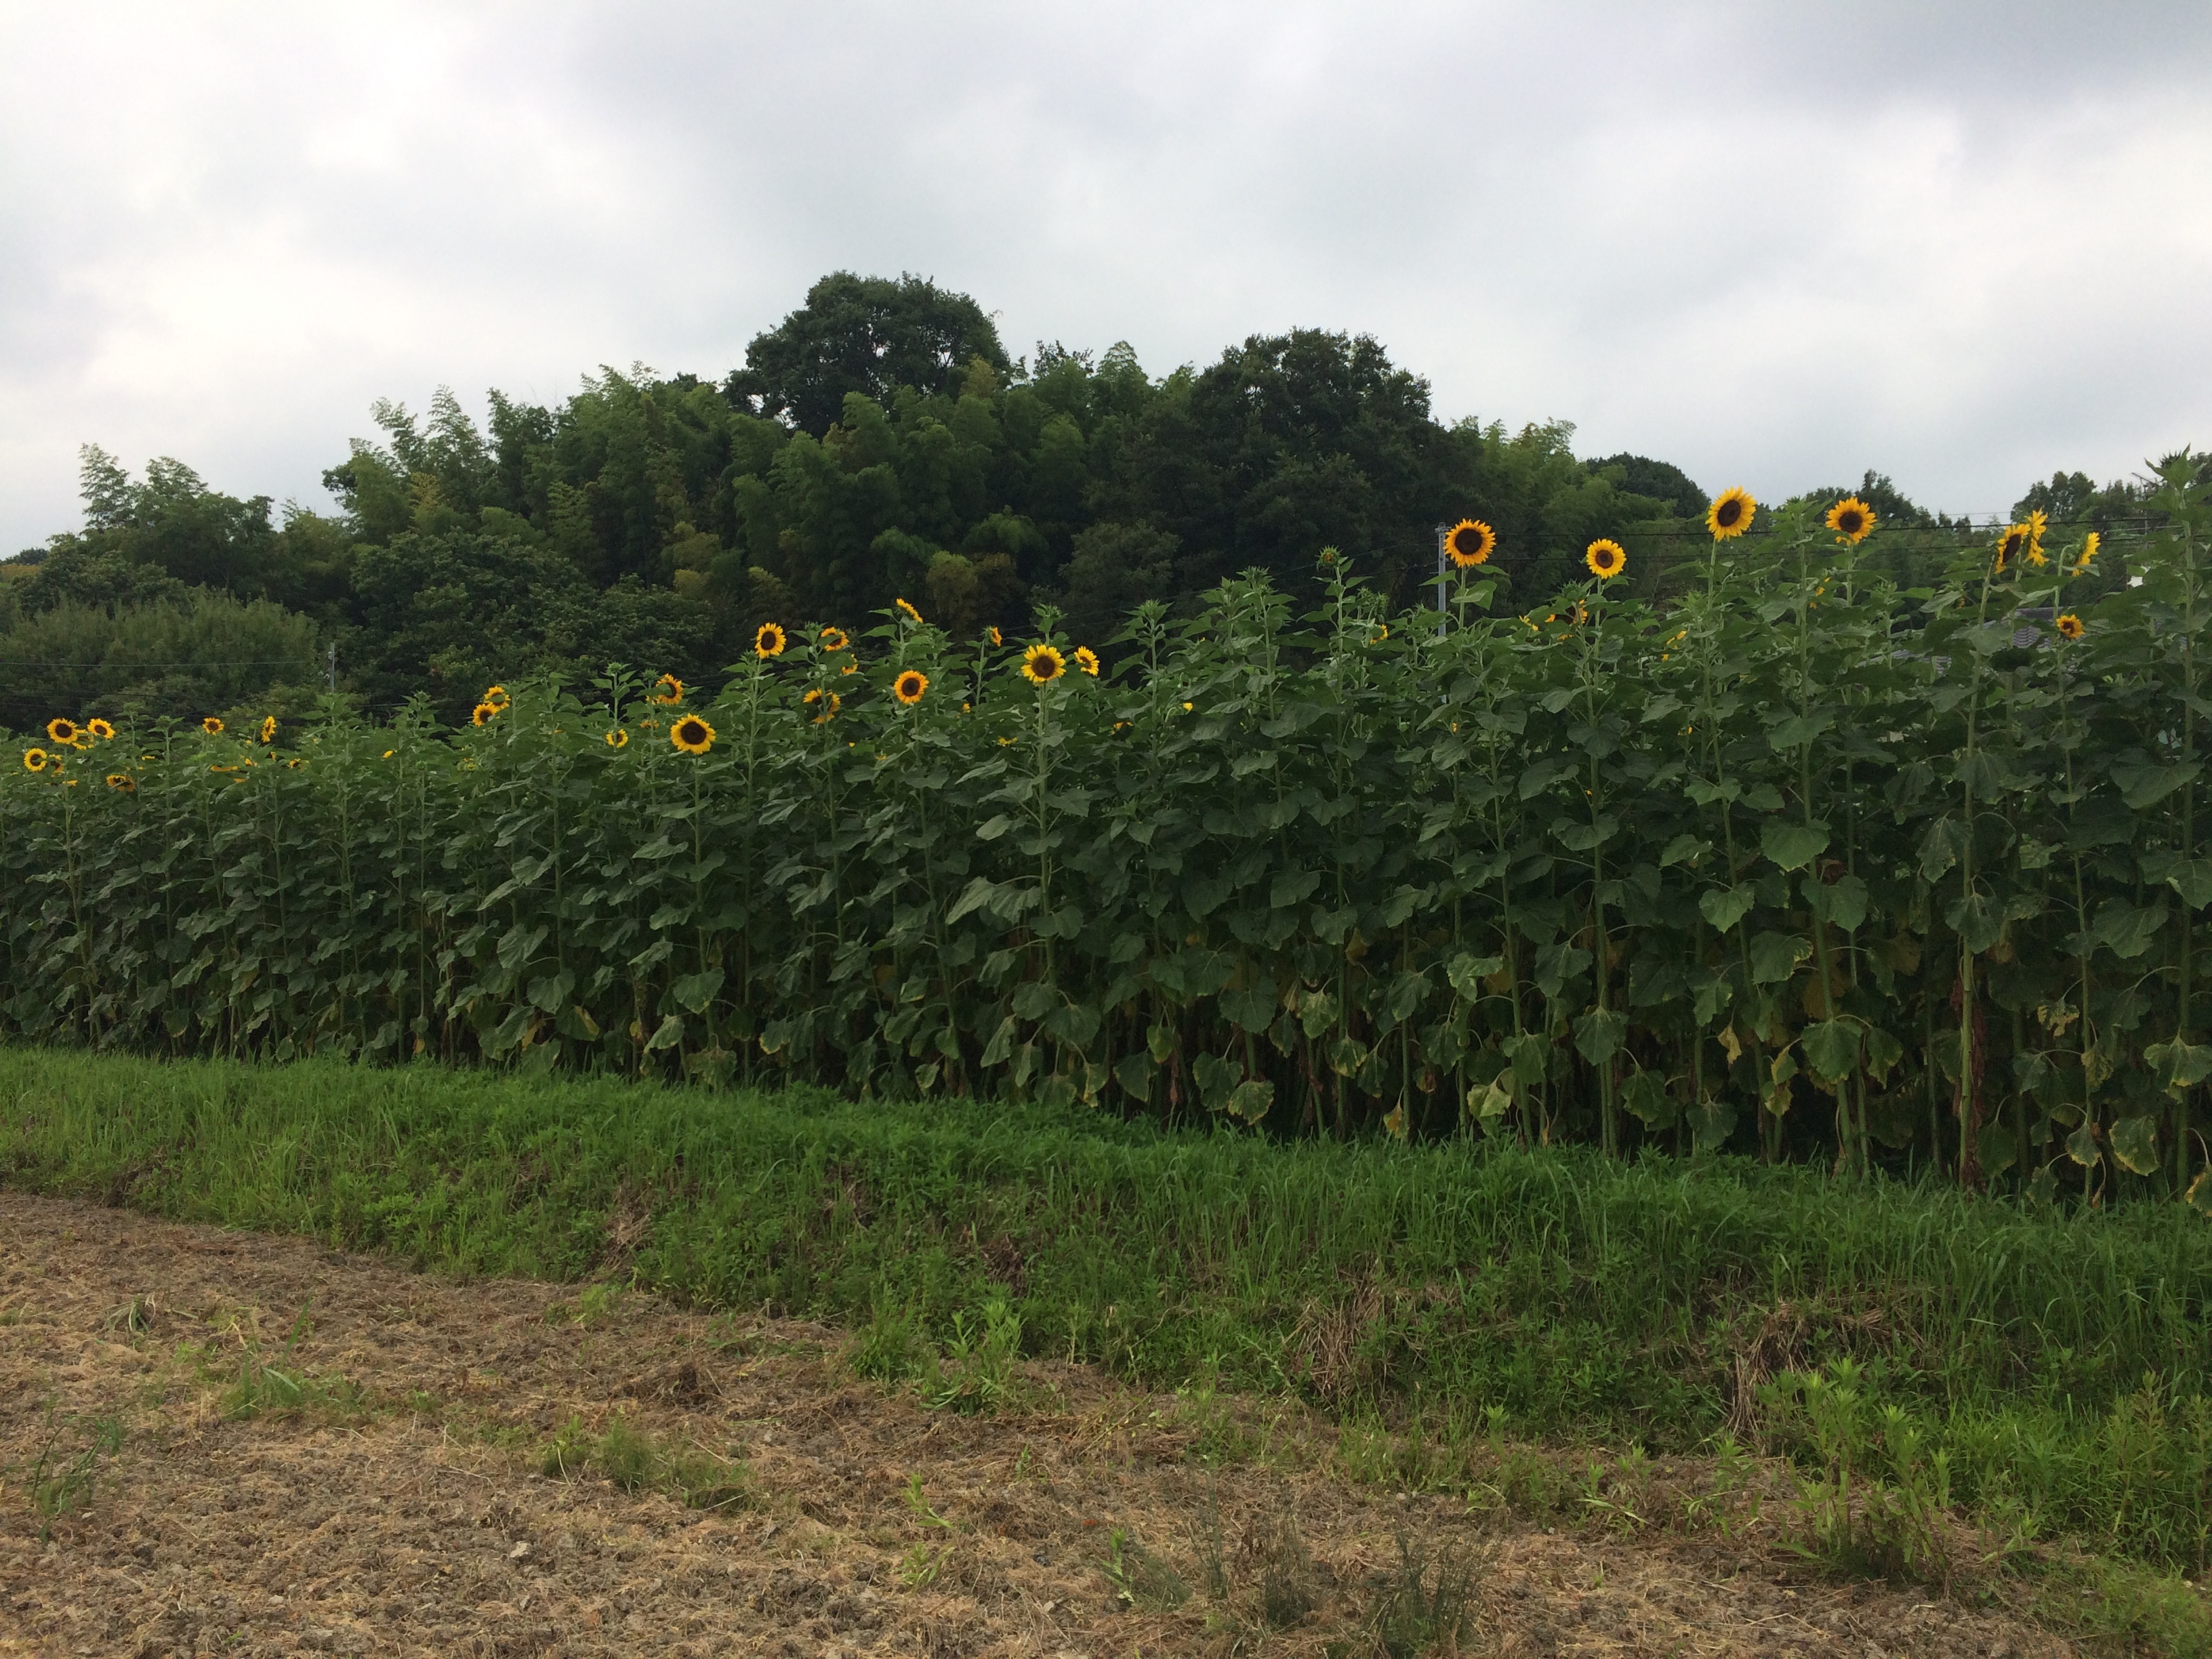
(1774, 244)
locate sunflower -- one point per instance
(483, 713)
(1470, 543)
(833, 639)
(2010, 545)
(2038, 522)
(1086, 660)
(61, 730)
(1730, 513)
(913, 615)
(831, 702)
(692, 735)
(909, 686)
(1041, 665)
(1382, 632)
(99, 728)
(1606, 558)
(123, 782)
(1852, 521)
(769, 641)
(34, 760)
(997, 638)
(667, 691)
(850, 667)
(295, 763)
(212, 726)
(2069, 626)
(619, 738)
(2090, 543)
(268, 728)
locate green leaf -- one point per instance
(1467, 972)
(1684, 849)
(1600, 1034)
(1002, 1044)
(2082, 1145)
(2126, 932)
(1252, 1008)
(1724, 907)
(1645, 1096)
(2147, 786)
(1832, 1046)
(1711, 1122)
(696, 991)
(1134, 1072)
(1775, 957)
(669, 1034)
(2134, 1144)
(991, 827)
(1793, 846)
(1248, 1102)
(1293, 887)
(1978, 923)
(1840, 904)
(1215, 1077)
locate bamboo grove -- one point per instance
(1785, 861)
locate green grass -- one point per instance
(2057, 1363)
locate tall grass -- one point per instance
(2059, 1360)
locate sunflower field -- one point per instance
(1782, 861)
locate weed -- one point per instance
(62, 1481)
(919, 1507)
(629, 1458)
(1141, 1579)
(1420, 1609)
(921, 1565)
(283, 1388)
(1289, 1586)
(594, 1305)
(976, 1373)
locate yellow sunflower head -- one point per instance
(495, 695)
(61, 730)
(668, 690)
(997, 638)
(2090, 543)
(212, 726)
(1382, 632)
(2010, 546)
(2039, 521)
(483, 713)
(34, 760)
(619, 738)
(2069, 626)
(122, 781)
(833, 639)
(295, 763)
(1086, 660)
(1470, 543)
(1730, 513)
(268, 728)
(911, 613)
(1852, 521)
(830, 701)
(692, 735)
(769, 642)
(99, 728)
(849, 668)
(909, 686)
(1606, 558)
(1041, 665)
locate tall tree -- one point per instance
(865, 334)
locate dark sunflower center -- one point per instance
(1729, 511)
(1848, 523)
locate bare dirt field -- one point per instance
(242, 1444)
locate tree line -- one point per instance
(878, 443)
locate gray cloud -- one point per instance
(1967, 245)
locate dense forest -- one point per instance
(878, 443)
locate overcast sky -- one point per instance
(1965, 245)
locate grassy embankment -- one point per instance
(2059, 1364)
